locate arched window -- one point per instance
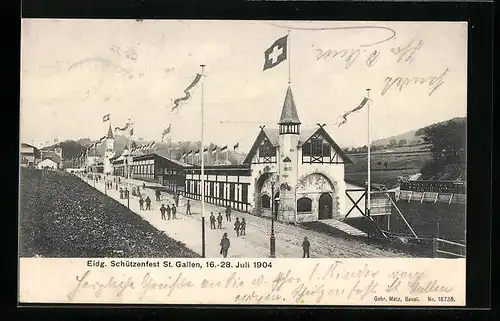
(304, 204)
(265, 201)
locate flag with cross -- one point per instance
(275, 54)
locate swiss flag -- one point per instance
(276, 53)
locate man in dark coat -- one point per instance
(224, 244)
(212, 220)
(174, 211)
(305, 247)
(141, 203)
(188, 208)
(243, 227)
(163, 210)
(169, 210)
(237, 227)
(148, 203)
(176, 199)
(158, 194)
(228, 213)
(121, 193)
(219, 220)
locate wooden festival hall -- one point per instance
(225, 185)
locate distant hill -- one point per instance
(413, 136)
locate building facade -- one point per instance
(29, 155)
(301, 171)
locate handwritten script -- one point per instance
(324, 283)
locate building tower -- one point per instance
(289, 131)
(109, 152)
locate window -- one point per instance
(326, 150)
(244, 193)
(231, 192)
(211, 189)
(304, 204)
(265, 201)
(316, 147)
(221, 191)
(266, 149)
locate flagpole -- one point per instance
(289, 59)
(202, 170)
(129, 160)
(95, 165)
(369, 156)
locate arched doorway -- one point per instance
(325, 206)
(262, 197)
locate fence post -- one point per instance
(434, 247)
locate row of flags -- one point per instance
(212, 151)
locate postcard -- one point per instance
(243, 162)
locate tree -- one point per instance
(402, 142)
(448, 148)
(392, 143)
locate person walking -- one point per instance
(148, 203)
(243, 227)
(188, 208)
(224, 245)
(237, 225)
(158, 195)
(169, 211)
(176, 199)
(174, 211)
(143, 185)
(126, 193)
(305, 247)
(121, 193)
(141, 204)
(163, 210)
(212, 220)
(219, 220)
(228, 213)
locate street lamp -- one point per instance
(273, 239)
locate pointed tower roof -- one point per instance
(110, 133)
(289, 112)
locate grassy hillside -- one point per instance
(413, 135)
(398, 165)
(61, 216)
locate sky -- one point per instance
(73, 72)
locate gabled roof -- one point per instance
(152, 155)
(289, 112)
(110, 133)
(320, 130)
(264, 133)
(51, 155)
(272, 135)
(28, 145)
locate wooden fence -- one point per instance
(447, 248)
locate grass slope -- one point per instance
(61, 216)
